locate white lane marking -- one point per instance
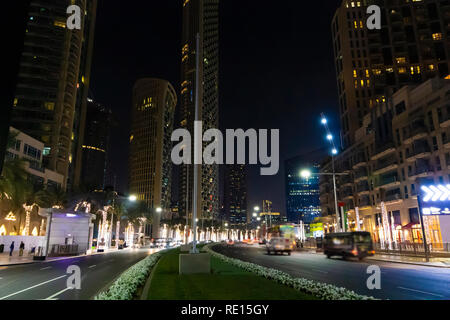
(46, 268)
(93, 266)
(424, 292)
(57, 294)
(37, 285)
(325, 272)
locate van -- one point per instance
(348, 244)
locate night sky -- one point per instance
(276, 72)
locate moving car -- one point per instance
(279, 245)
(348, 244)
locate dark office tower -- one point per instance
(45, 105)
(95, 146)
(236, 194)
(302, 193)
(200, 17)
(410, 48)
(153, 108)
(84, 80)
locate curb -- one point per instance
(54, 260)
(146, 287)
(411, 263)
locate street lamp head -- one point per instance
(329, 137)
(255, 214)
(324, 121)
(226, 224)
(159, 209)
(305, 174)
(334, 152)
(132, 198)
(256, 208)
(259, 219)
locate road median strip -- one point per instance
(129, 282)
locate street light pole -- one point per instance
(335, 194)
(197, 155)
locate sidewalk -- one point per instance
(6, 260)
(394, 258)
(434, 262)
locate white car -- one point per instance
(279, 245)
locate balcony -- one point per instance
(418, 131)
(346, 181)
(383, 150)
(363, 188)
(386, 182)
(361, 174)
(420, 150)
(444, 121)
(421, 171)
(393, 195)
(386, 165)
(360, 160)
(347, 193)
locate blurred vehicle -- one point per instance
(348, 244)
(230, 242)
(279, 245)
(262, 242)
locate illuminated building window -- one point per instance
(58, 23)
(390, 70)
(401, 60)
(437, 36)
(402, 70)
(355, 74)
(15, 102)
(50, 106)
(431, 67)
(367, 73)
(415, 70)
(376, 72)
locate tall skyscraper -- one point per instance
(153, 108)
(53, 70)
(200, 17)
(95, 146)
(410, 48)
(236, 194)
(302, 194)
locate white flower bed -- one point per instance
(317, 289)
(126, 286)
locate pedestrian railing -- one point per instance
(409, 248)
(64, 250)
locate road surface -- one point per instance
(398, 281)
(47, 281)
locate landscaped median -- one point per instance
(230, 279)
(129, 282)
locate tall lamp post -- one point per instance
(334, 152)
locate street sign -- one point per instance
(435, 200)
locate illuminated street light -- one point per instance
(324, 121)
(255, 214)
(226, 225)
(334, 151)
(256, 208)
(305, 174)
(159, 209)
(132, 198)
(329, 137)
(259, 219)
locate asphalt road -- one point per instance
(398, 281)
(48, 280)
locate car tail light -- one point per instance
(355, 252)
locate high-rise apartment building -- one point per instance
(236, 194)
(410, 48)
(302, 194)
(95, 146)
(152, 117)
(53, 71)
(200, 17)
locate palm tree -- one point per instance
(51, 198)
